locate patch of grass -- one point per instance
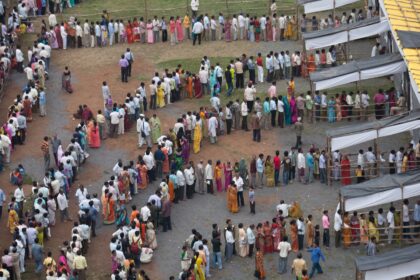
(126, 9)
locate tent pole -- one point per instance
(329, 161)
(333, 12)
(376, 150)
(313, 97)
(297, 20)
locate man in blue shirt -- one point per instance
(2, 200)
(310, 164)
(316, 255)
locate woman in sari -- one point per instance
(212, 81)
(338, 107)
(316, 163)
(251, 30)
(269, 30)
(179, 29)
(287, 114)
(142, 27)
(129, 32)
(160, 96)
(122, 216)
(294, 111)
(404, 166)
(52, 39)
(197, 86)
(142, 171)
(311, 63)
(259, 241)
(218, 176)
(243, 171)
(345, 170)
(346, 230)
(199, 267)
(343, 102)
(355, 228)
(243, 244)
(62, 262)
(227, 27)
(136, 30)
(155, 127)
(276, 233)
(189, 85)
(269, 171)
(165, 165)
(151, 236)
(149, 27)
(27, 108)
(108, 210)
(295, 210)
(304, 66)
(66, 80)
(227, 170)
(364, 236)
(331, 110)
(373, 231)
(309, 232)
(94, 139)
(257, 29)
(12, 221)
(294, 236)
(289, 31)
(185, 146)
(268, 238)
(259, 264)
(58, 36)
(171, 189)
(197, 136)
(232, 199)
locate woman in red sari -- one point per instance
(260, 239)
(136, 30)
(197, 86)
(345, 170)
(276, 232)
(58, 36)
(269, 30)
(94, 139)
(27, 108)
(129, 32)
(142, 171)
(179, 30)
(294, 236)
(268, 238)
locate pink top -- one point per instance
(379, 98)
(272, 91)
(325, 222)
(172, 26)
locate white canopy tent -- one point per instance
(395, 264)
(315, 6)
(345, 33)
(348, 136)
(379, 191)
(374, 67)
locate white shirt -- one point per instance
(115, 117)
(250, 236)
(241, 21)
(149, 161)
(81, 194)
(197, 28)
(239, 183)
(189, 176)
(145, 213)
(19, 195)
(208, 172)
(229, 237)
(406, 215)
(361, 160)
(180, 178)
(284, 208)
(338, 222)
(280, 106)
(301, 162)
(390, 219)
(62, 202)
(284, 249)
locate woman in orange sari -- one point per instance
(346, 230)
(165, 165)
(311, 63)
(142, 171)
(12, 222)
(309, 232)
(93, 132)
(259, 264)
(293, 236)
(268, 238)
(232, 199)
(345, 171)
(189, 85)
(171, 189)
(108, 208)
(129, 32)
(304, 67)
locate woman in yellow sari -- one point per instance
(189, 85)
(295, 210)
(160, 96)
(269, 171)
(232, 199)
(373, 231)
(309, 232)
(198, 268)
(108, 210)
(346, 230)
(197, 136)
(289, 29)
(13, 220)
(364, 235)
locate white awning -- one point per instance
(325, 5)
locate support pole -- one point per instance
(333, 12)
(377, 154)
(329, 161)
(297, 20)
(145, 10)
(227, 7)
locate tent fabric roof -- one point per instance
(409, 39)
(380, 184)
(302, 2)
(375, 124)
(343, 27)
(391, 258)
(355, 66)
(404, 15)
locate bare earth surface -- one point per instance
(92, 66)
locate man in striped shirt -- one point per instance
(45, 148)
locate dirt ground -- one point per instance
(92, 66)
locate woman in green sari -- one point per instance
(287, 111)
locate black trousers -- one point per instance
(124, 78)
(79, 42)
(337, 238)
(190, 191)
(252, 75)
(129, 69)
(250, 250)
(197, 37)
(273, 118)
(228, 125)
(300, 241)
(151, 174)
(326, 237)
(166, 223)
(164, 35)
(280, 119)
(250, 105)
(245, 123)
(240, 197)
(252, 206)
(181, 192)
(256, 135)
(210, 186)
(240, 80)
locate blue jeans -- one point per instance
(230, 89)
(317, 267)
(217, 259)
(276, 176)
(285, 177)
(310, 174)
(323, 175)
(38, 266)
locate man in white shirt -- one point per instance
(399, 158)
(115, 121)
(239, 183)
(81, 194)
(301, 231)
(284, 248)
(235, 27)
(230, 242)
(204, 80)
(180, 179)
(406, 220)
(282, 26)
(391, 224)
(208, 176)
(19, 195)
(194, 7)
(63, 206)
(338, 223)
(361, 159)
(263, 22)
(197, 30)
(19, 59)
(146, 132)
(371, 160)
(250, 239)
(150, 164)
(145, 212)
(284, 208)
(189, 181)
(86, 34)
(375, 50)
(301, 165)
(241, 24)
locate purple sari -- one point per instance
(293, 110)
(228, 175)
(185, 150)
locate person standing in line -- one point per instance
(2, 200)
(391, 224)
(326, 228)
(251, 239)
(196, 31)
(301, 231)
(208, 176)
(45, 148)
(298, 130)
(251, 197)
(217, 253)
(124, 69)
(298, 265)
(284, 248)
(338, 223)
(260, 170)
